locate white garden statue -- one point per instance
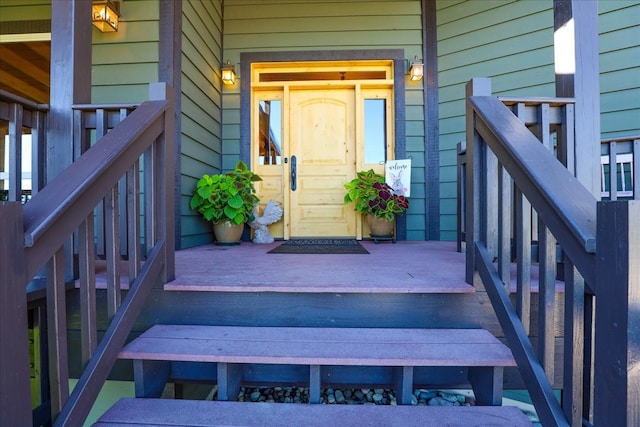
(272, 213)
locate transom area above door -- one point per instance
(313, 126)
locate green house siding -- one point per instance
(509, 41)
(201, 126)
(619, 30)
(125, 62)
(276, 25)
(22, 10)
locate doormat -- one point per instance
(319, 246)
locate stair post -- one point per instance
(15, 392)
(617, 288)
(475, 195)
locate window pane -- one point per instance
(270, 132)
(375, 131)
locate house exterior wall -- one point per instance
(510, 42)
(619, 36)
(125, 62)
(276, 25)
(201, 109)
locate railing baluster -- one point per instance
(133, 220)
(573, 344)
(57, 331)
(523, 251)
(123, 217)
(505, 225)
(546, 299)
(149, 199)
(112, 241)
(635, 171)
(87, 271)
(613, 171)
(15, 152)
(38, 155)
(101, 130)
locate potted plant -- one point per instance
(375, 198)
(227, 200)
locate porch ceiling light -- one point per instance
(417, 69)
(228, 73)
(105, 15)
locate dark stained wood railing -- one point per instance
(18, 117)
(49, 221)
(624, 182)
(508, 170)
(90, 123)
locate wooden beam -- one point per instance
(15, 396)
(617, 362)
(431, 120)
(70, 77)
(170, 68)
(577, 76)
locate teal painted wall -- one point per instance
(125, 62)
(201, 108)
(619, 29)
(21, 10)
(510, 42)
(278, 25)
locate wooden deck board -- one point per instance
(320, 346)
(403, 267)
(164, 412)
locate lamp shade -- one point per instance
(417, 69)
(228, 73)
(105, 15)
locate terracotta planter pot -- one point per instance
(380, 227)
(228, 233)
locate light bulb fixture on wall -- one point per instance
(417, 69)
(228, 73)
(105, 15)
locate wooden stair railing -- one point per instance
(624, 153)
(508, 170)
(49, 221)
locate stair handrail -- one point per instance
(508, 170)
(51, 217)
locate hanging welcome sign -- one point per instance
(398, 176)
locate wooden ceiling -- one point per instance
(25, 69)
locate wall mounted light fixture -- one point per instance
(105, 15)
(228, 73)
(417, 69)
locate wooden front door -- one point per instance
(314, 125)
(322, 148)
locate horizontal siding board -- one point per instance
(120, 94)
(476, 16)
(109, 54)
(320, 24)
(301, 41)
(330, 9)
(23, 10)
(130, 31)
(116, 74)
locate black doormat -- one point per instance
(319, 246)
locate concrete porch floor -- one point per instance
(402, 267)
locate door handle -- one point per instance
(294, 184)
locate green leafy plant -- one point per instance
(230, 196)
(373, 196)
